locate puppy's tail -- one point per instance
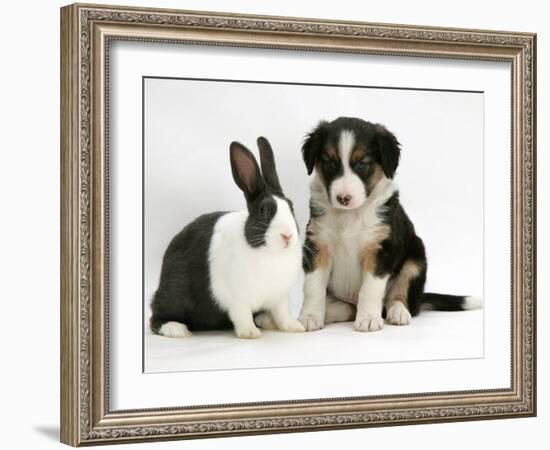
(444, 302)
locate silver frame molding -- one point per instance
(86, 31)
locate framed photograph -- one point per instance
(276, 224)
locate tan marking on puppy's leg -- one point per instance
(370, 250)
(397, 312)
(312, 315)
(368, 257)
(322, 257)
(400, 286)
(371, 295)
(321, 254)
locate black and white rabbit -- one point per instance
(224, 267)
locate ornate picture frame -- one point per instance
(86, 34)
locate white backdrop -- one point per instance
(189, 125)
(30, 191)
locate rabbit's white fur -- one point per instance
(246, 279)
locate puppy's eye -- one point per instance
(360, 166)
(330, 164)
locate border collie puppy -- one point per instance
(362, 258)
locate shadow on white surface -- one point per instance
(49, 431)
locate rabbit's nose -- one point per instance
(286, 237)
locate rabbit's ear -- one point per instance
(246, 172)
(267, 161)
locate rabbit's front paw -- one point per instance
(174, 330)
(248, 333)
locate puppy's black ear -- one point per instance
(314, 144)
(246, 172)
(389, 150)
(267, 162)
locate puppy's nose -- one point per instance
(286, 237)
(343, 199)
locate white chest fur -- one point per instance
(346, 233)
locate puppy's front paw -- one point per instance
(311, 322)
(398, 314)
(369, 323)
(248, 333)
(293, 327)
(265, 321)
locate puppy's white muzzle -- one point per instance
(347, 192)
